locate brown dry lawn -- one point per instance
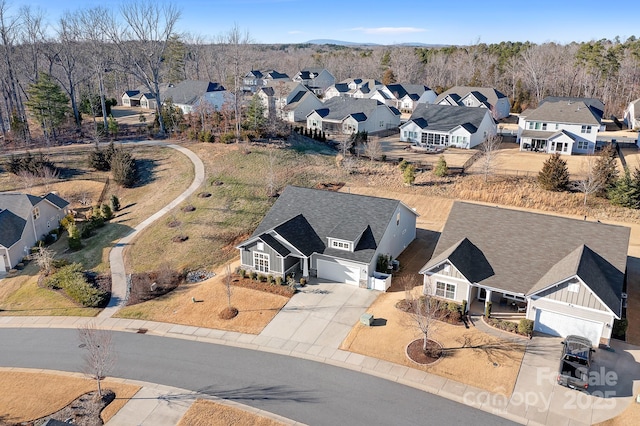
(256, 308)
(209, 413)
(36, 395)
(629, 417)
(473, 357)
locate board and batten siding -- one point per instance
(452, 271)
(583, 297)
(275, 260)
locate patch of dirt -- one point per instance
(330, 186)
(188, 208)
(180, 238)
(174, 223)
(147, 286)
(204, 194)
(83, 411)
(417, 353)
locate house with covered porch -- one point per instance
(564, 274)
(330, 235)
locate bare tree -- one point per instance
(423, 310)
(373, 148)
(49, 176)
(27, 179)
(489, 149)
(44, 259)
(227, 285)
(143, 42)
(591, 181)
(100, 356)
(271, 173)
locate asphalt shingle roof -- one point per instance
(490, 94)
(338, 108)
(527, 251)
(189, 91)
(576, 112)
(596, 105)
(11, 227)
(445, 118)
(307, 217)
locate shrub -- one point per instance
(487, 310)
(254, 275)
(620, 328)
(115, 203)
(554, 175)
(403, 165)
(99, 160)
(242, 273)
(87, 228)
(48, 239)
(73, 281)
(74, 237)
(66, 221)
(278, 280)
(453, 307)
(409, 174)
(455, 316)
(270, 279)
(525, 327)
(441, 169)
(227, 138)
(124, 169)
(106, 212)
(464, 307)
(262, 278)
(303, 281)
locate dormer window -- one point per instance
(340, 245)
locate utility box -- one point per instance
(366, 319)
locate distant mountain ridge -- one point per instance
(350, 43)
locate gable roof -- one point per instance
(577, 112)
(339, 108)
(189, 92)
(468, 260)
(11, 228)
(538, 248)
(306, 218)
(456, 93)
(596, 105)
(414, 91)
(445, 118)
(21, 204)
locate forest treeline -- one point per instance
(94, 54)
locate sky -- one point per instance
(389, 22)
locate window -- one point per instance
(445, 290)
(260, 246)
(382, 124)
(585, 129)
(341, 245)
(544, 126)
(583, 145)
(36, 213)
(260, 262)
(557, 126)
(574, 287)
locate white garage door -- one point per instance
(340, 272)
(563, 325)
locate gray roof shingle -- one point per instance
(338, 108)
(577, 112)
(529, 250)
(11, 228)
(490, 94)
(596, 105)
(189, 91)
(307, 217)
(445, 118)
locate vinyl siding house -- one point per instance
(255, 79)
(288, 100)
(477, 97)
(448, 126)
(330, 235)
(316, 79)
(24, 219)
(561, 125)
(404, 97)
(341, 115)
(632, 115)
(189, 94)
(353, 88)
(566, 275)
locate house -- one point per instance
(316, 79)
(561, 125)
(255, 79)
(480, 97)
(443, 125)
(288, 100)
(188, 94)
(632, 115)
(141, 97)
(405, 97)
(341, 115)
(353, 88)
(24, 219)
(566, 275)
(333, 236)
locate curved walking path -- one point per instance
(116, 260)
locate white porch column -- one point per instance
(488, 298)
(305, 267)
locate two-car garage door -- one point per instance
(563, 325)
(341, 272)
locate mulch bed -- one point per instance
(204, 194)
(330, 186)
(416, 353)
(174, 223)
(282, 290)
(188, 208)
(84, 411)
(180, 238)
(228, 313)
(142, 284)
(444, 315)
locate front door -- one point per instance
(482, 294)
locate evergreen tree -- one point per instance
(409, 174)
(48, 104)
(605, 170)
(123, 167)
(625, 191)
(441, 169)
(554, 175)
(175, 59)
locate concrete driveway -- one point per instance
(539, 398)
(321, 313)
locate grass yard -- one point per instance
(236, 185)
(209, 413)
(256, 308)
(472, 357)
(36, 395)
